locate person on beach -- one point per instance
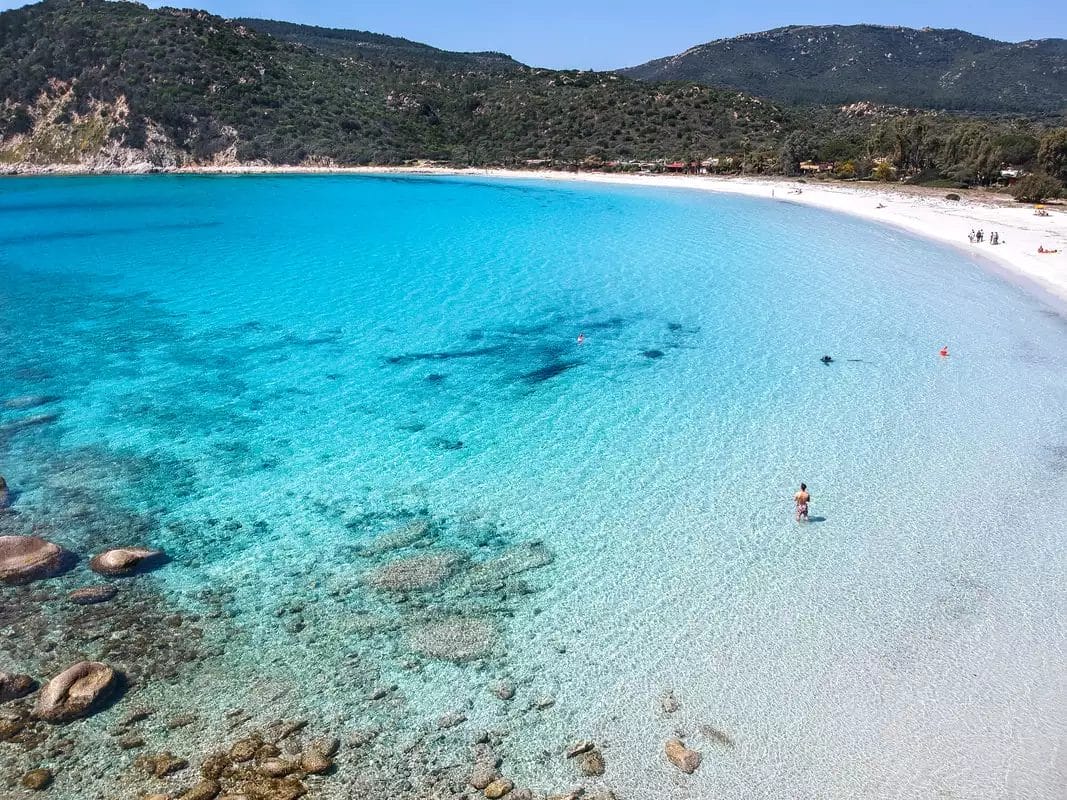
(802, 498)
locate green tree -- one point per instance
(884, 172)
(794, 149)
(1052, 153)
(1016, 147)
(1035, 188)
(846, 170)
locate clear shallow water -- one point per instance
(264, 374)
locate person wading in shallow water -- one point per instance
(802, 498)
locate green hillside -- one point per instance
(206, 85)
(112, 85)
(837, 64)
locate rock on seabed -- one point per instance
(75, 692)
(28, 558)
(91, 595)
(37, 780)
(123, 560)
(688, 761)
(417, 572)
(12, 687)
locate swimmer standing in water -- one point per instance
(581, 338)
(802, 498)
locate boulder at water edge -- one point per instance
(125, 560)
(76, 692)
(28, 558)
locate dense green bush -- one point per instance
(1035, 188)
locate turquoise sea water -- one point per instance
(265, 376)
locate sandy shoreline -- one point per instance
(924, 212)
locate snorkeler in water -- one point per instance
(827, 360)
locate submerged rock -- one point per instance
(278, 767)
(451, 719)
(669, 703)
(502, 689)
(716, 735)
(482, 775)
(453, 638)
(498, 788)
(75, 692)
(205, 790)
(91, 595)
(578, 748)
(26, 423)
(397, 538)
(37, 780)
(125, 560)
(12, 687)
(245, 749)
(591, 764)
(417, 572)
(29, 401)
(162, 764)
(688, 761)
(314, 762)
(28, 558)
(5, 495)
(524, 557)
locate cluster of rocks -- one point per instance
(25, 559)
(590, 760)
(263, 766)
(677, 752)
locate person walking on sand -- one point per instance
(802, 498)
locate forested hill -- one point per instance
(835, 64)
(115, 85)
(85, 77)
(377, 46)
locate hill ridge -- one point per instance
(937, 68)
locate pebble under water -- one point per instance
(422, 543)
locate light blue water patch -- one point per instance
(266, 375)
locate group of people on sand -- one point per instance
(1044, 250)
(979, 236)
